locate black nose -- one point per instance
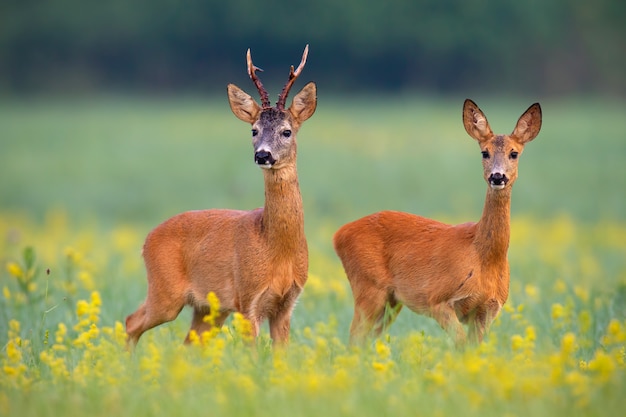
(498, 179)
(264, 158)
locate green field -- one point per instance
(83, 180)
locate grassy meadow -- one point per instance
(83, 180)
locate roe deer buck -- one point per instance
(454, 274)
(256, 262)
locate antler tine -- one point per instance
(265, 100)
(282, 98)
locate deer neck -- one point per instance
(493, 229)
(283, 217)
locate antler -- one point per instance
(265, 100)
(282, 98)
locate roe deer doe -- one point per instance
(454, 274)
(256, 262)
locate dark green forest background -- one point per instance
(546, 47)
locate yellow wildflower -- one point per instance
(246, 384)
(120, 334)
(151, 364)
(73, 255)
(517, 342)
(6, 292)
(94, 332)
(580, 385)
(60, 333)
(15, 270)
(14, 328)
(602, 365)
(96, 301)
(474, 364)
(568, 344)
(339, 289)
(82, 308)
(558, 311)
(57, 365)
(194, 339)
(616, 331)
(210, 334)
(532, 291)
(531, 335)
(381, 366)
(382, 350)
(581, 293)
(436, 376)
(14, 353)
(307, 333)
(125, 239)
(214, 308)
(560, 287)
(242, 326)
(86, 279)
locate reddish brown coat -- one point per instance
(455, 274)
(256, 262)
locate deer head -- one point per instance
(501, 152)
(274, 129)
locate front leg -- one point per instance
(280, 319)
(445, 315)
(279, 328)
(479, 323)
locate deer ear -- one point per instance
(304, 103)
(475, 122)
(528, 125)
(242, 105)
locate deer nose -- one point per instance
(264, 158)
(498, 180)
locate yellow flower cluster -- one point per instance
(558, 347)
(16, 373)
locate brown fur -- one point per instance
(256, 262)
(454, 274)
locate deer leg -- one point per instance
(149, 315)
(391, 311)
(447, 319)
(200, 326)
(280, 320)
(369, 315)
(161, 306)
(279, 327)
(256, 326)
(479, 324)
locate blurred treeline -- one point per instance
(534, 46)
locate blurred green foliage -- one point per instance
(143, 160)
(536, 47)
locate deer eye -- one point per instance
(255, 132)
(287, 133)
(514, 155)
(485, 154)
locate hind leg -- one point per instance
(370, 314)
(146, 317)
(161, 306)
